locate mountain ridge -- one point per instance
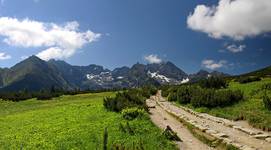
(36, 74)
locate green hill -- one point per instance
(264, 72)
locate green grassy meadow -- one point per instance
(72, 122)
(251, 109)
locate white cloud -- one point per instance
(153, 59)
(236, 49)
(59, 41)
(4, 56)
(211, 64)
(236, 19)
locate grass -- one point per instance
(251, 109)
(72, 122)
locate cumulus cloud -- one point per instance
(153, 59)
(4, 56)
(236, 19)
(59, 41)
(212, 64)
(235, 48)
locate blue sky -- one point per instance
(123, 32)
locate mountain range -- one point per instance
(36, 74)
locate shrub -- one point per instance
(267, 102)
(266, 86)
(16, 96)
(148, 91)
(213, 82)
(127, 99)
(166, 89)
(172, 97)
(244, 80)
(215, 98)
(165, 93)
(132, 113)
(182, 94)
(185, 93)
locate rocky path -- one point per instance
(228, 131)
(162, 119)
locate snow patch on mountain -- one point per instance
(102, 77)
(90, 76)
(155, 75)
(185, 81)
(120, 77)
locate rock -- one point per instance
(222, 135)
(201, 128)
(228, 141)
(236, 127)
(180, 116)
(228, 123)
(247, 148)
(261, 136)
(268, 140)
(248, 131)
(192, 122)
(151, 105)
(210, 131)
(237, 145)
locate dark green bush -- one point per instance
(267, 102)
(127, 99)
(266, 86)
(16, 96)
(215, 98)
(244, 80)
(181, 94)
(172, 93)
(213, 82)
(205, 97)
(185, 93)
(147, 91)
(166, 89)
(132, 113)
(172, 97)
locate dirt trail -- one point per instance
(243, 138)
(162, 119)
